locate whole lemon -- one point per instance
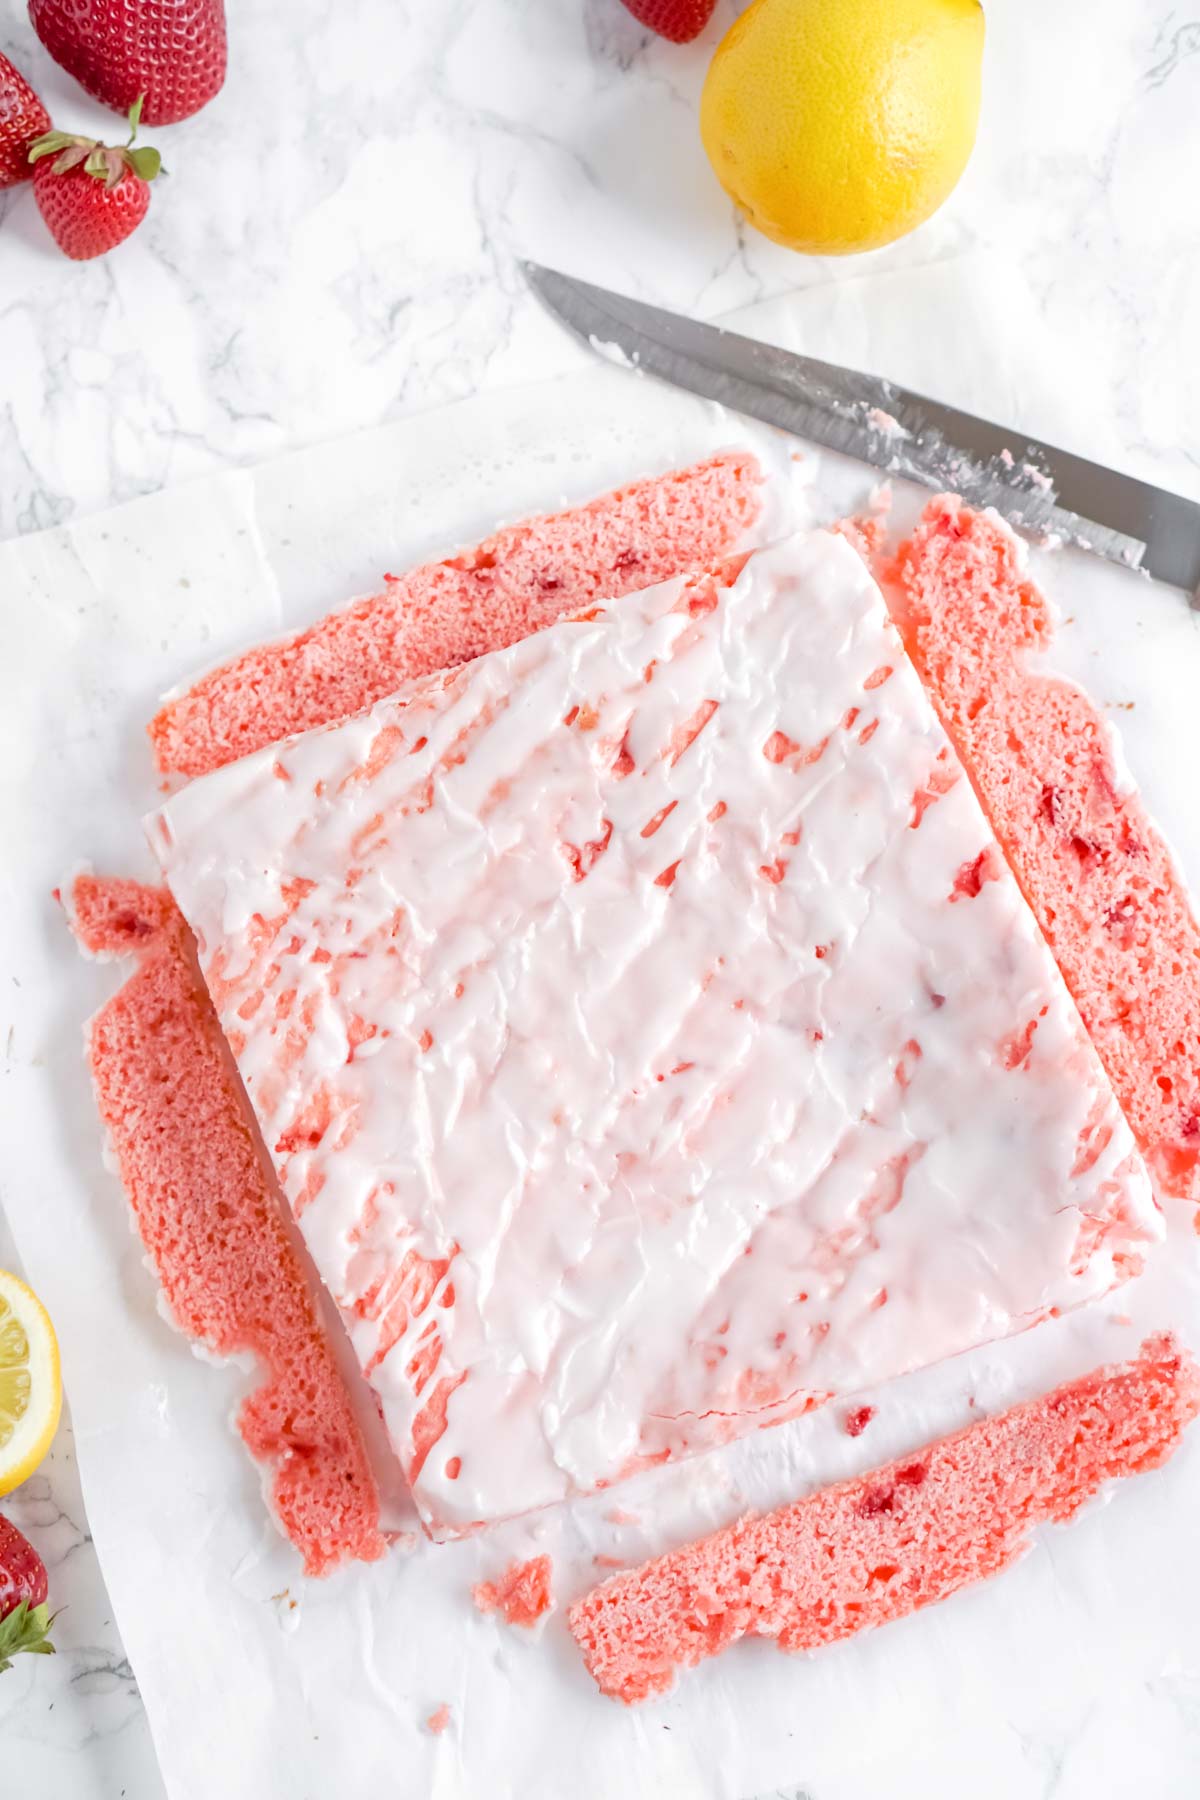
(839, 125)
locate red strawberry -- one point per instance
(22, 118)
(679, 20)
(170, 51)
(24, 1620)
(91, 195)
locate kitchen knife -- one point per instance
(1050, 494)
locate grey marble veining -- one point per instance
(334, 242)
(335, 245)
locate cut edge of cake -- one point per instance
(433, 617)
(212, 1222)
(875, 1548)
(1100, 878)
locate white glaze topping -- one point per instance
(649, 1035)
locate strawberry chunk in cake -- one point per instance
(651, 1040)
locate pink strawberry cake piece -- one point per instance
(524, 577)
(521, 1595)
(649, 1036)
(885, 1544)
(209, 1216)
(1100, 879)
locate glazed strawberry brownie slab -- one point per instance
(649, 1036)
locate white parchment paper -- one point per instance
(261, 1686)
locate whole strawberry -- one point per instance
(22, 118)
(170, 51)
(24, 1620)
(92, 195)
(679, 20)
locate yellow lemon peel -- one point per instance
(840, 125)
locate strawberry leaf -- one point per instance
(70, 159)
(145, 162)
(49, 144)
(103, 161)
(23, 1632)
(106, 164)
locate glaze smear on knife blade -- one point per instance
(1046, 492)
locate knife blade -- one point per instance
(1048, 493)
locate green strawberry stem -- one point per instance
(103, 161)
(23, 1631)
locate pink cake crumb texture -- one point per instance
(438, 1720)
(522, 1593)
(865, 532)
(873, 1549)
(1100, 879)
(208, 1214)
(446, 613)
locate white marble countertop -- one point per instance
(335, 246)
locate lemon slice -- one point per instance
(30, 1383)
